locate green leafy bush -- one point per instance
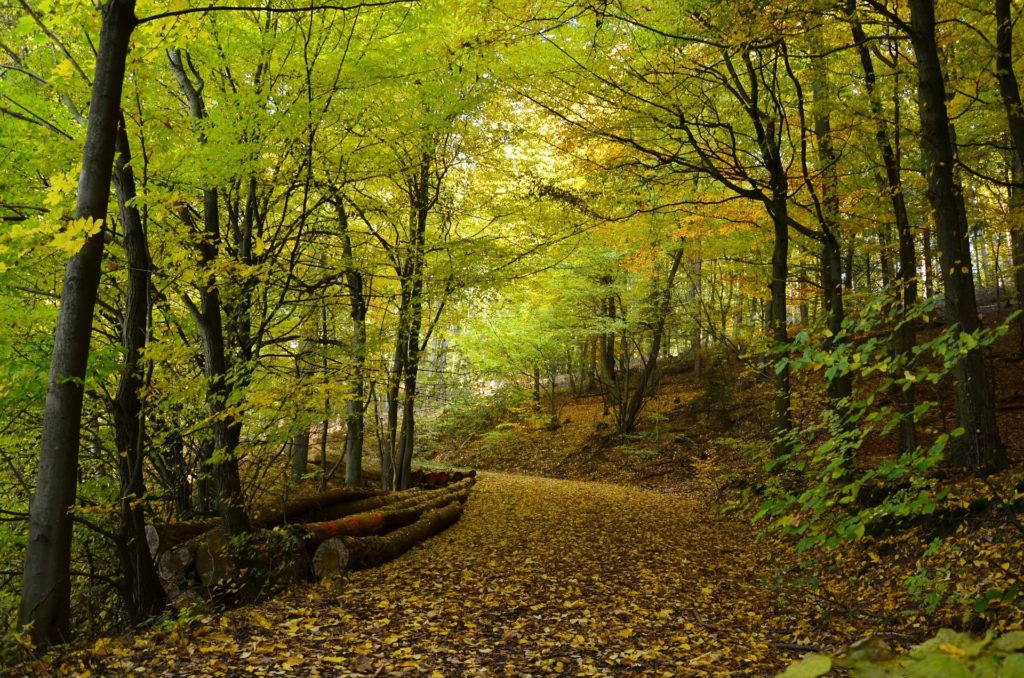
(949, 654)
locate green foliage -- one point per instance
(949, 654)
(823, 489)
(832, 484)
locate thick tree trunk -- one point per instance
(979, 448)
(140, 587)
(46, 584)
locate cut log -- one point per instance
(367, 552)
(350, 508)
(331, 558)
(359, 553)
(212, 565)
(396, 515)
(296, 510)
(186, 598)
(394, 511)
(365, 523)
(173, 565)
(166, 536)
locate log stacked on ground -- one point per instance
(168, 536)
(330, 545)
(339, 554)
(427, 478)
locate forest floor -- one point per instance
(583, 553)
(540, 576)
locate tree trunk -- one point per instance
(357, 312)
(46, 584)
(1009, 90)
(141, 592)
(299, 445)
(1017, 243)
(639, 394)
(831, 256)
(906, 336)
(227, 431)
(979, 448)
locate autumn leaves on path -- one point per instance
(540, 576)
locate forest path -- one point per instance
(540, 576)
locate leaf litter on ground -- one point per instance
(539, 577)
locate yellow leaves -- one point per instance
(69, 239)
(64, 70)
(61, 184)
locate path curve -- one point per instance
(539, 577)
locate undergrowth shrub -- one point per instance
(836, 481)
(469, 414)
(947, 654)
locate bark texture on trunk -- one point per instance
(979, 448)
(227, 430)
(1009, 91)
(46, 584)
(906, 336)
(140, 586)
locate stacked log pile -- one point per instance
(323, 535)
(426, 478)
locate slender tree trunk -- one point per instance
(1017, 242)
(1009, 91)
(780, 275)
(906, 337)
(46, 584)
(929, 259)
(141, 590)
(831, 256)
(299, 445)
(636, 400)
(227, 430)
(979, 448)
(695, 337)
(536, 389)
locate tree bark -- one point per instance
(831, 256)
(299, 445)
(46, 584)
(979, 448)
(639, 394)
(906, 336)
(227, 430)
(140, 588)
(356, 400)
(1009, 91)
